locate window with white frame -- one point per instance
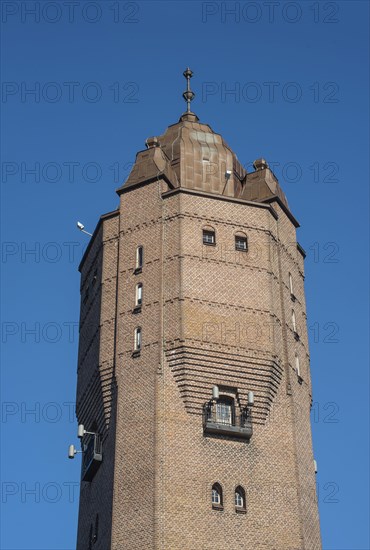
(209, 236)
(139, 257)
(224, 410)
(241, 242)
(216, 495)
(297, 365)
(139, 294)
(294, 323)
(240, 501)
(137, 339)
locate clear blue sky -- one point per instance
(106, 76)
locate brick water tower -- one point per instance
(194, 387)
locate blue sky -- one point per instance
(287, 81)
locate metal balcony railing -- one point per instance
(222, 420)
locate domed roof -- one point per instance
(190, 154)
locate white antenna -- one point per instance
(81, 227)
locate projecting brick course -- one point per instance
(210, 316)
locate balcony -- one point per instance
(219, 418)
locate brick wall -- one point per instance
(210, 315)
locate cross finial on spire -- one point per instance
(188, 95)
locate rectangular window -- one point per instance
(223, 413)
(137, 342)
(291, 288)
(209, 237)
(139, 294)
(215, 497)
(241, 243)
(139, 258)
(297, 366)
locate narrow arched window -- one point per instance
(139, 258)
(241, 242)
(137, 339)
(297, 365)
(240, 501)
(294, 323)
(217, 500)
(139, 294)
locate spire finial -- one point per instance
(188, 95)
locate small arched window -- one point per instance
(137, 339)
(139, 258)
(209, 236)
(217, 500)
(240, 501)
(139, 294)
(241, 242)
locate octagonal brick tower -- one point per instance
(193, 368)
